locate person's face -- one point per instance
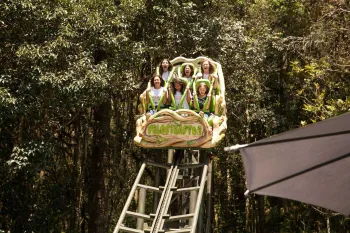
(165, 65)
(202, 90)
(187, 70)
(178, 86)
(156, 81)
(206, 65)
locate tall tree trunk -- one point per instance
(79, 139)
(97, 219)
(247, 214)
(261, 208)
(230, 199)
(74, 219)
(328, 223)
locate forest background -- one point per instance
(71, 72)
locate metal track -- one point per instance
(161, 216)
(165, 198)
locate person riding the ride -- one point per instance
(156, 95)
(179, 94)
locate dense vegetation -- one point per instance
(71, 72)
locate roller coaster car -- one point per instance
(176, 127)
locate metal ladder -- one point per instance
(161, 218)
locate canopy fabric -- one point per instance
(310, 164)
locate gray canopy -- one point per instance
(310, 164)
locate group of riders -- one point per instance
(183, 88)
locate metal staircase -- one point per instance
(184, 186)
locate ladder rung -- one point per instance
(185, 166)
(150, 188)
(148, 230)
(180, 217)
(186, 177)
(127, 229)
(179, 230)
(138, 215)
(165, 216)
(158, 165)
(171, 189)
(180, 177)
(187, 189)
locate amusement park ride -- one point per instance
(182, 204)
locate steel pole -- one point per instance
(199, 198)
(141, 208)
(155, 194)
(193, 201)
(209, 197)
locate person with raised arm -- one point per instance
(188, 72)
(164, 69)
(208, 70)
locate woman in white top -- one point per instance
(178, 89)
(156, 95)
(165, 68)
(208, 72)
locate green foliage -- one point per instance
(30, 155)
(71, 72)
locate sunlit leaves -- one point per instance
(32, 157)
(286, 64)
